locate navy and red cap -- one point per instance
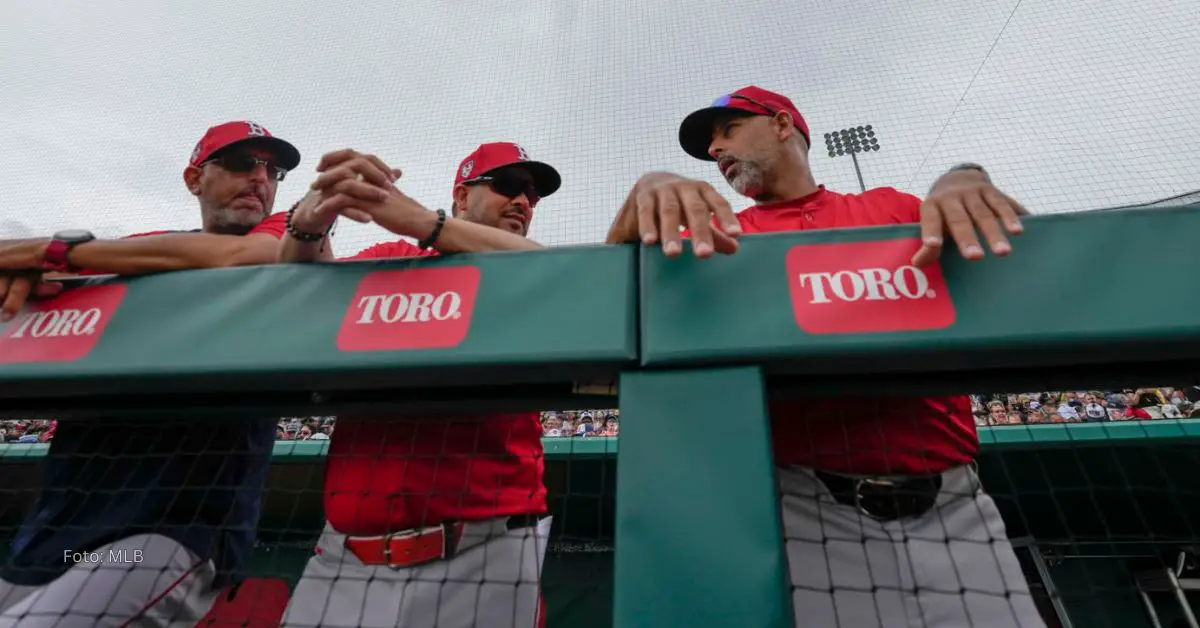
(229, 134)
(495, 155)
(696, 132)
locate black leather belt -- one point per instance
(517, 522)
(884, 499)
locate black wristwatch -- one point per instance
(61, 243)
(968, 166)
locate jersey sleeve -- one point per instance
(392, 250)
(274, 225)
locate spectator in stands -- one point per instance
(305, 433)
(1147, 398)
(552, 425)
(1014, 418)
(585, 427)
(1171, 411)
(199, 485)
(612, 425)
(1066, 410)
(475, 509)
(1093, 410)
(997, 413)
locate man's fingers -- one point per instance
(396, 174)
(19, 287)
(5, 280)
(47, 289)
(669, 216)
(357, 215)
(358, 189)
(960, 227)
(696, 214)
(334, 205)
(330, 160)
(932, 228)
(384, 169)
(647, 218)
(1006, 208)
(724, 243)
(721, 209)
(985, 220)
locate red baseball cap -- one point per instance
(695, 134)
(225, 135)
(496, 155)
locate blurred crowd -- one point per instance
(1086, 406)
(990, 409)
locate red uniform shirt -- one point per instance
(867, 436)
(386, 475)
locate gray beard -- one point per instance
(749, 180)
(233, 220)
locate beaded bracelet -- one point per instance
(437, 231)
(299, 235)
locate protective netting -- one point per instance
(1071, 106)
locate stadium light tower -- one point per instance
(852, 141)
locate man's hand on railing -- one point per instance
(17, 287)
(661, 203)
(960, 202)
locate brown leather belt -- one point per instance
(408, 548)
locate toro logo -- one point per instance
(60, 330)
(866, 287)
(423, 308)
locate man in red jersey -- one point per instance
(181, 498)
(234, 172)
(432, 521)
(885, 521)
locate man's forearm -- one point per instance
(176, 251)
(461, 236)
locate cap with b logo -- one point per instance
(695, 134)
(230, 134)
(495, 155)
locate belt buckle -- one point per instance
(404, 534)
(858, 493)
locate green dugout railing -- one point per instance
(697, 526)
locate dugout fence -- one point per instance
(1095, 509)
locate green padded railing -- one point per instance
(695, 343)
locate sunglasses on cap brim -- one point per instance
(723, 101)
(242, 163)
(509, 187)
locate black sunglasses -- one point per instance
(509, 187)
(242, 162)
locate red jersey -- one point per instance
(867, 436)
(386, 475)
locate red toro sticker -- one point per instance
(866, 287)
(423, 308)
(64, 329)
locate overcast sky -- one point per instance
(1073, 104)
